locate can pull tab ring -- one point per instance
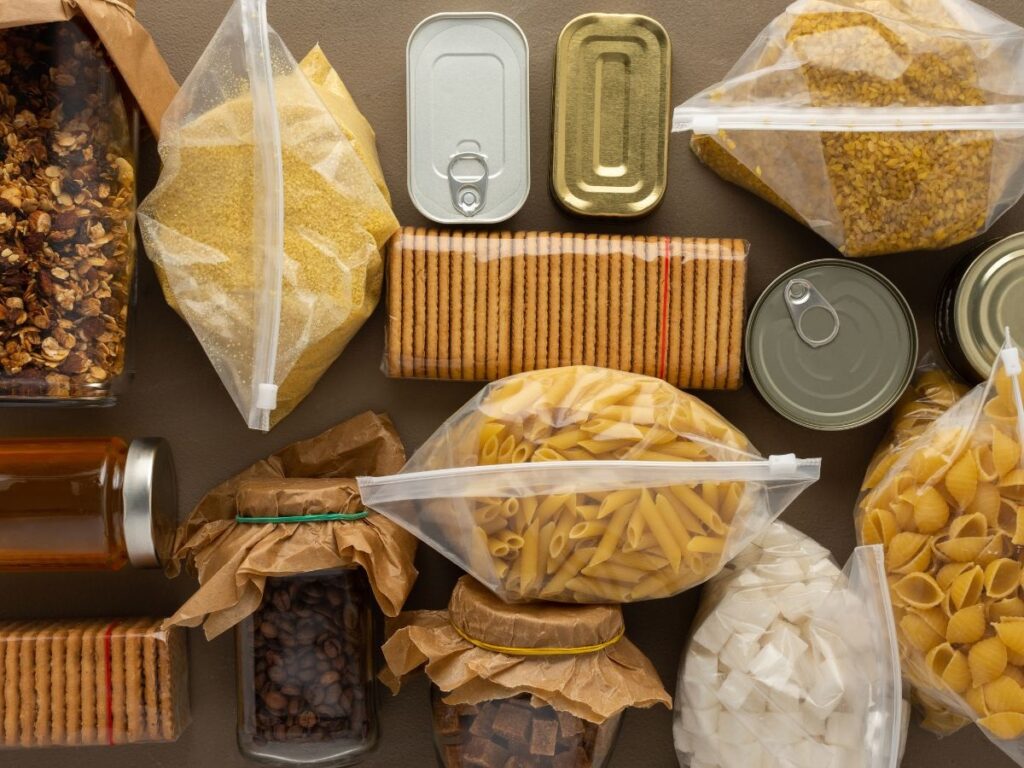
(467, 181)
(802, 297)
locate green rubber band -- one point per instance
(325, 518)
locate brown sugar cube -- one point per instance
(484, 721)
(451, 755)
(711, 327)
(541, 257)
(544, 737)
(590, 299)
(518, 301)
(467, 710)
(517, 761)
(554, 304)
(446, 720)
(573, 758)
(483, 753)
(505, 259)
(455, 366)
(569, 726)
(512, 722)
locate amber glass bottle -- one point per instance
(69, 504)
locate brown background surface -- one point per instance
(176, 394)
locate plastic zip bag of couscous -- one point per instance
(267, 224)
(883, 125)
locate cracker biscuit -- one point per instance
(603, 258)
(689, 313)
(652, 295)
(579, 297)
(456, 369)
(566, 308)
(739, 283)
(171, 671)
(480, 267)
(700, 308)
(26, 685)
(639, 354)
(151, 696)
(530, 324)
(41, 689)
(518, 301)
(431, 260)
(505, 260)
(493, 306)
(408, 300)
(614, 300)
(675, 311)
(724, 315)
(711, 327)
(542, 257)
(394, 264)
(419, 305)
(554, 303)
(73, 684)
(103, 682)
(469, 305)
(588, 244)
(444, 305)
(628, 312)
(11, 647)
(87, 686)
(134, 686)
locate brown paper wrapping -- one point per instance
(132, 50)
(592, 686)
(315, 476)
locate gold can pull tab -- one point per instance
(467, 180)
(815, 328)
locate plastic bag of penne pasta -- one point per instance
(946, 501)
(588, 485)
(794, 662)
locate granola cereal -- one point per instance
(874, 192)
(67, 201)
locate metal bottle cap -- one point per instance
(150, 501)
(990, 298)
(831, 344)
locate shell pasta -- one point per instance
(945, 501)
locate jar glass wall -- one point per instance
(306, 671)
(494, 732)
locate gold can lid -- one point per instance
(989, 300)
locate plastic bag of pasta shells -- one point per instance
(945, 498)
(267, 224)
(794, 662)
(588, 485)
(883, 125)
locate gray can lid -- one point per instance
(990, 299)
(150, 496)
(835, 355)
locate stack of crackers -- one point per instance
(91, 682)
(484, 305)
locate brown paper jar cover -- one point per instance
(233, 560)
(593, 685)
(130, 46)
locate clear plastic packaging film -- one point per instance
(884, 126)
(943, 497)
(92, 682)
(268, 219)
(588, 485)
(793, 662)
(480, 306)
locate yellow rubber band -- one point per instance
(512, 651)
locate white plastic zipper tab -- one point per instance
(785, 464)
(708, 120)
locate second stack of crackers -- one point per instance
(480, 306)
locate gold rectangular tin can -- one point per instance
(611, 115)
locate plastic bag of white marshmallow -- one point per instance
(793, 663)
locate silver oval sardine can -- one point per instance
(982, 297)
(831, 344)
(467, 99)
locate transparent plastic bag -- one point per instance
(588, 485)
(883, 125)
(482, 305)
(793, 663)
(266, 225)
(947, 504)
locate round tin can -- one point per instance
(982, 296)
(831, 344)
